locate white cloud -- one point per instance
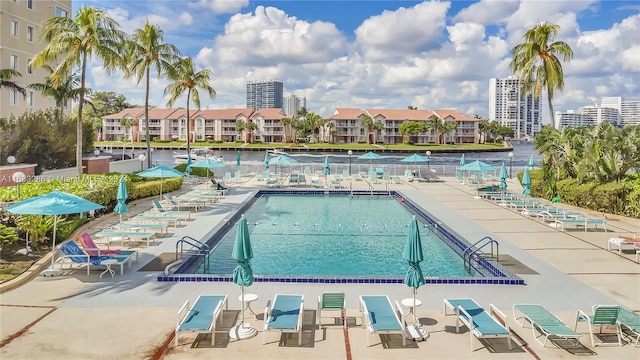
(487, 11)
(222, 6)
(464, 35)
(130, 24)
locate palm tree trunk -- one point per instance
(79, 123)
(553, 121)
(146, 116)
(188, 120)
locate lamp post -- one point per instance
(428, 153)
(96, 152)
(350, 152)
(18, 177)
(511, 165)
(142, 158)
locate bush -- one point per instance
(155, 139)
(196, 171)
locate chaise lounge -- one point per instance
(203, 316)
(547, 324)
(481, 324)
(284, 315)
(379, 317)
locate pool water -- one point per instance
(343, 236)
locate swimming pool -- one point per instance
(332, 236)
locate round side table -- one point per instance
(108, 264)
(408, 302)
(248, 299)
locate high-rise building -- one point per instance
(293, 104)
(264, 94)
(574, 119)
(21, 22)
(511, 107)
(628, 110)
(614, 109)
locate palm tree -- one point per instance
(6, 81)
(450, 126)
(147, 50)
(286, 124)
(128, 123)
(251, 126)
(186, 79)
(72, 42)
(68, 88)
(537, 63)
(434, 123)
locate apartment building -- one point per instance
(293, 104)
(264, 94)
(20, 25)
(347, 126)
(511, 107)
(574, 119)
(220, 124)
(618, 111)
(391, 120)
(467, 130)
(269, 128)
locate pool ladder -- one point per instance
(198, 248)
(472, 250)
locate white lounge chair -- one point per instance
(379, 317)
(481, 324)
(203, 316)
(621, 241)
(284, 315)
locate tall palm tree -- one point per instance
(537, 64)
(147, 50)
(286, 125)
(434, 123)
(68, 88)
(6, 81)
(186, 79)
(72, 42)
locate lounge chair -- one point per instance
(581, 221)
(621, 241)
(378, 316)
(293, 180)
(71, 250)
(162, 219)
(630, 325)
(284, 315)
(336, 182)
(181, 213)
(315, 182)
(203, 316)
(273, 182)
(302, 180)
(603, 315)
(129, 227)
(332, 301)
(481, 324)
(111, 235)
(547, 324)
(90, 247)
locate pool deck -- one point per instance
(75, 316)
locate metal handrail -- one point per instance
(474, 248)
(202, 247)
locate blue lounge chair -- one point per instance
(203, 316)
(581, 221)
(603, 315)
(378, 316)
(293, 180)
(72, 251)
(547, 324)
(481, 324)
(285, 316)
(181, 213)
(630, 325)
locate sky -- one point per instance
(381, 54)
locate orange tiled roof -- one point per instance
(158, 113)
(346, 113)
(225, 114)
(400, 114)
(271, 114)
(443, 114)
(133, 112)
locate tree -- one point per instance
(240, 126)
(411, 107)
(286, 124)
(128, 123)
(147, 50)
(251, 126)
(73, 42)
(537, 62)
(6, 81)
(68, 88)
(186, 79)
(104, 103)
(449, 126)
(435, 123)
(412, 128)
(483, 128)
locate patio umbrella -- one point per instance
(503, 177)
(207, 163)
(531, 162)
(462, 160)
(526, 182)
(53, 204)
(281, 159)
(238, 158)
(327, 170)
(415, 158)
(266, 159)
(161, 172)
(121, 206)
(477, 166)
(242, 274)
(188, 169)
(369, 156)
(413, 254)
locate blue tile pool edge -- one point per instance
(491, 271)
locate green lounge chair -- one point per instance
(547, 324)
(630, 325)
(603, 315)
(332, 301)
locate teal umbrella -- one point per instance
(121, 197)
(531, 162)
(415, 158)
(266, 159)
(462, 160)
(161, 172)
(207, 163)
(281, 159)
(526, 182)
(477, 166)
(370, 156)
(327, 170)
(238, 158)
(503, 177)
(413, 254)
(188, 169)
(53, 204)
(243, 274)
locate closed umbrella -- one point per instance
(526, 182)
(266, 160)
(121, 197)
(242, 275)
(188, 169)
(238, 158)
(53, 204)
(161, 172)
(531, 162)
(462, 160)
(413, 254)
(503, 177)
(327, 170)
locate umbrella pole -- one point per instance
(53, 249)
(243, 306)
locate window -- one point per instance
(13, 62)
(30, 33)
(29, 99)
(60, 12)
(30, 4)
(14, 28)
(29, 68)
(13, 97)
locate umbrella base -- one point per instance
(50, 272)
(242, 331)
(416, 333)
